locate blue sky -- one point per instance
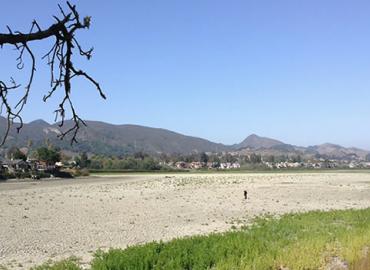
(298, 71)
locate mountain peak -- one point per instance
(255, 141)
(39, 122)
(253, 135)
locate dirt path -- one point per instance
(60, 218)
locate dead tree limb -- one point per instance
(62, 70)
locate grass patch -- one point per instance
(68, 264)
(297, 241)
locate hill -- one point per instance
(255, 142)
(108, 139)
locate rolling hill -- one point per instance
(108, 139)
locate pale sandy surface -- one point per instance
(56, 219)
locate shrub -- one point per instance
(22, 175)
(294, 241)
(69, 264)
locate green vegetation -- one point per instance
(49, 155)
(15, 153)
(136, 163)
(70, 264)
(297, 241)
(83, 161)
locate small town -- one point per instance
(48, 162)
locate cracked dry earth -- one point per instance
(56, 219)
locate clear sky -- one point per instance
(298, 71)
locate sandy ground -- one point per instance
(56, 219)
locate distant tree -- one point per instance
(49, 155)
(203, 157)
(368, 157)
(149, 164)
(107, 164)
(191, 158)
(96, 164)
(83, 161)
(216, 161)
(228, 158)
(177, 157)
(214, 158)
(15, 153)
(164, 157)
(254, 158)
(281, 158)
(270, 158)
(140, 155)
(246, 159)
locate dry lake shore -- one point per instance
(56, 219)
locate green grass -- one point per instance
(69, 264)
(296, 241)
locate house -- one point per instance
(236, 165)
(16, 165)
(352, 165)
(229, 165)
(224, 165)
(45, 166)
(33, 163)
(270, 165)
(366, 164)
(59, 164)
(197, 165)
(181, 165)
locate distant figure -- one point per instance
(245, 194)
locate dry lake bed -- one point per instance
(56, 219)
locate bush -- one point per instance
(22, 175)
(48, 154)
(69, 264)
(34, 174)
(294, 241)
(129, 163)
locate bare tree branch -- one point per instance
(62, 69)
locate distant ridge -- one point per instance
(108, 139)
